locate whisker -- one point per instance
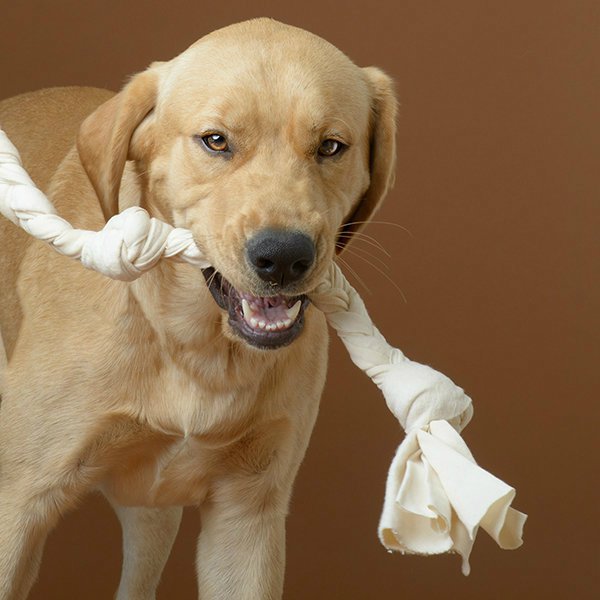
(396, 286)
(363, 237)
(354, 274)
(382, 223)
(381, 272)
(211, 279)
(355, 252)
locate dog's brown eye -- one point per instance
(330, 147)
(216, 142)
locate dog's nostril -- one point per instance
(280, 256)
(301, 266)
(263, 263)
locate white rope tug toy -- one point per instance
(129, 244)
(436, 496)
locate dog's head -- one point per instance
(270, 145)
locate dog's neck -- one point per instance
(192, 330)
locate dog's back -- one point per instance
(42, 125)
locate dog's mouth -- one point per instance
(266, 322)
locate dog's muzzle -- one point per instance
(280, 259)
(266, 322)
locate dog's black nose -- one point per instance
(280, 256)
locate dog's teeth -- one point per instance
(246, 309)
(292, 313)
(252, 314)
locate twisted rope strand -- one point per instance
(408, 387)
(129, 244)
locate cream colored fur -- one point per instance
(142, 390)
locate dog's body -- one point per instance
(152, 391)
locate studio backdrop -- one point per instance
(489, 274)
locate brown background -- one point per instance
(498, 186)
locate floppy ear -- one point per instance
(103, 138)
(382, 152)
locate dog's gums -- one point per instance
(264, 322)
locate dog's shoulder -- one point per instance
(43, 125)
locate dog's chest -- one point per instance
(185, 429)
(180, 405)
(161, 471)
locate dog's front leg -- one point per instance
(25, 521)
(35, 491)
(241, 551)
(148, 536)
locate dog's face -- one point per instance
(266, 142)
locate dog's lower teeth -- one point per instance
(251, 313)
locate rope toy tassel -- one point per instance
(436, 496)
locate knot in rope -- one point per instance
(130, 243)
(416, 394)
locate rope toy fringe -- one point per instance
(436, 496)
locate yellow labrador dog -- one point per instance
(184, 387)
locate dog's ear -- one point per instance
(382, 152)
(104, 137)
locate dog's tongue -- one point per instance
(271, 313)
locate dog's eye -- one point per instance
(330, 147)
(216, 142)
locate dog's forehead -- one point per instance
(245, 69)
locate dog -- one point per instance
(185, 387)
